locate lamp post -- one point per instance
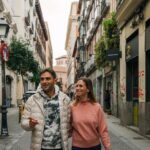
(4, 28)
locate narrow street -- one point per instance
(121, 137)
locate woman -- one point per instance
(87, 119)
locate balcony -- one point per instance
(89, 35)
(40, 53)
(90, 65)
(7, 16)
(31, 2)
(81, 20)
(104, 7)
(97, 14)
(30, 30)
(34, 11)
(27, 21)
(125, 9)
(92, 26)
(1, 6)
(87, 9)
(14, 27)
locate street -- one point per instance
(121, 137)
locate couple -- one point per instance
(53, 119)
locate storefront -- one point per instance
(132, 75)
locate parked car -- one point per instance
(27, 94)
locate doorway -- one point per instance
(132, 88)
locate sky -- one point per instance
(56, 13)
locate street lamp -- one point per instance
(4, 28)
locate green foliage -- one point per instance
(111, 32)
(109, 41)
(36, 77)
(100, 52)
(21, 59)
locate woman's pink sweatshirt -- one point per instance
(89, 125)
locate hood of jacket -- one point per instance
(43, 94)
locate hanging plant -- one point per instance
(100, 52)
(109, 41)
(111, 32)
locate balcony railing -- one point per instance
(27, 19)
(119, 2)
(97, 13)
(31, 2)
(87, 9)
(7, 16)
(90, 65)
(81, 20)
(1, 6)
(40, 53)
(92, 26)
(89, 36)
(104, 7)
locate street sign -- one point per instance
(4, 51)
(113, 55)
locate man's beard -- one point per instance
(48, 89)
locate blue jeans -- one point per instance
(98, 147)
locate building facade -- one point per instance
(127, 78)
(49, 50)
(27, 23)
(72, 33)
(134, 24)
(105, 79)
(61, 71)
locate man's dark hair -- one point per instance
(51, 71)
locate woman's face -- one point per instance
(81, 89)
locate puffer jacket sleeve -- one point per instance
(68, 115)
(26, 114)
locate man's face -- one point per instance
(47, 81)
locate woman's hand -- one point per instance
(32, 122)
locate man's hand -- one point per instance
(32, 122)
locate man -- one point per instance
(47, 115)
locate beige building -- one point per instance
(25, 22)
(127, 78)
(49, 50)
(72, 33)
(61, 70)
(134, 24)
(90, 22)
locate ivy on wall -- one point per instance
(109, 41)
(100, 52)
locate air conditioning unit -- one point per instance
(1, 6)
